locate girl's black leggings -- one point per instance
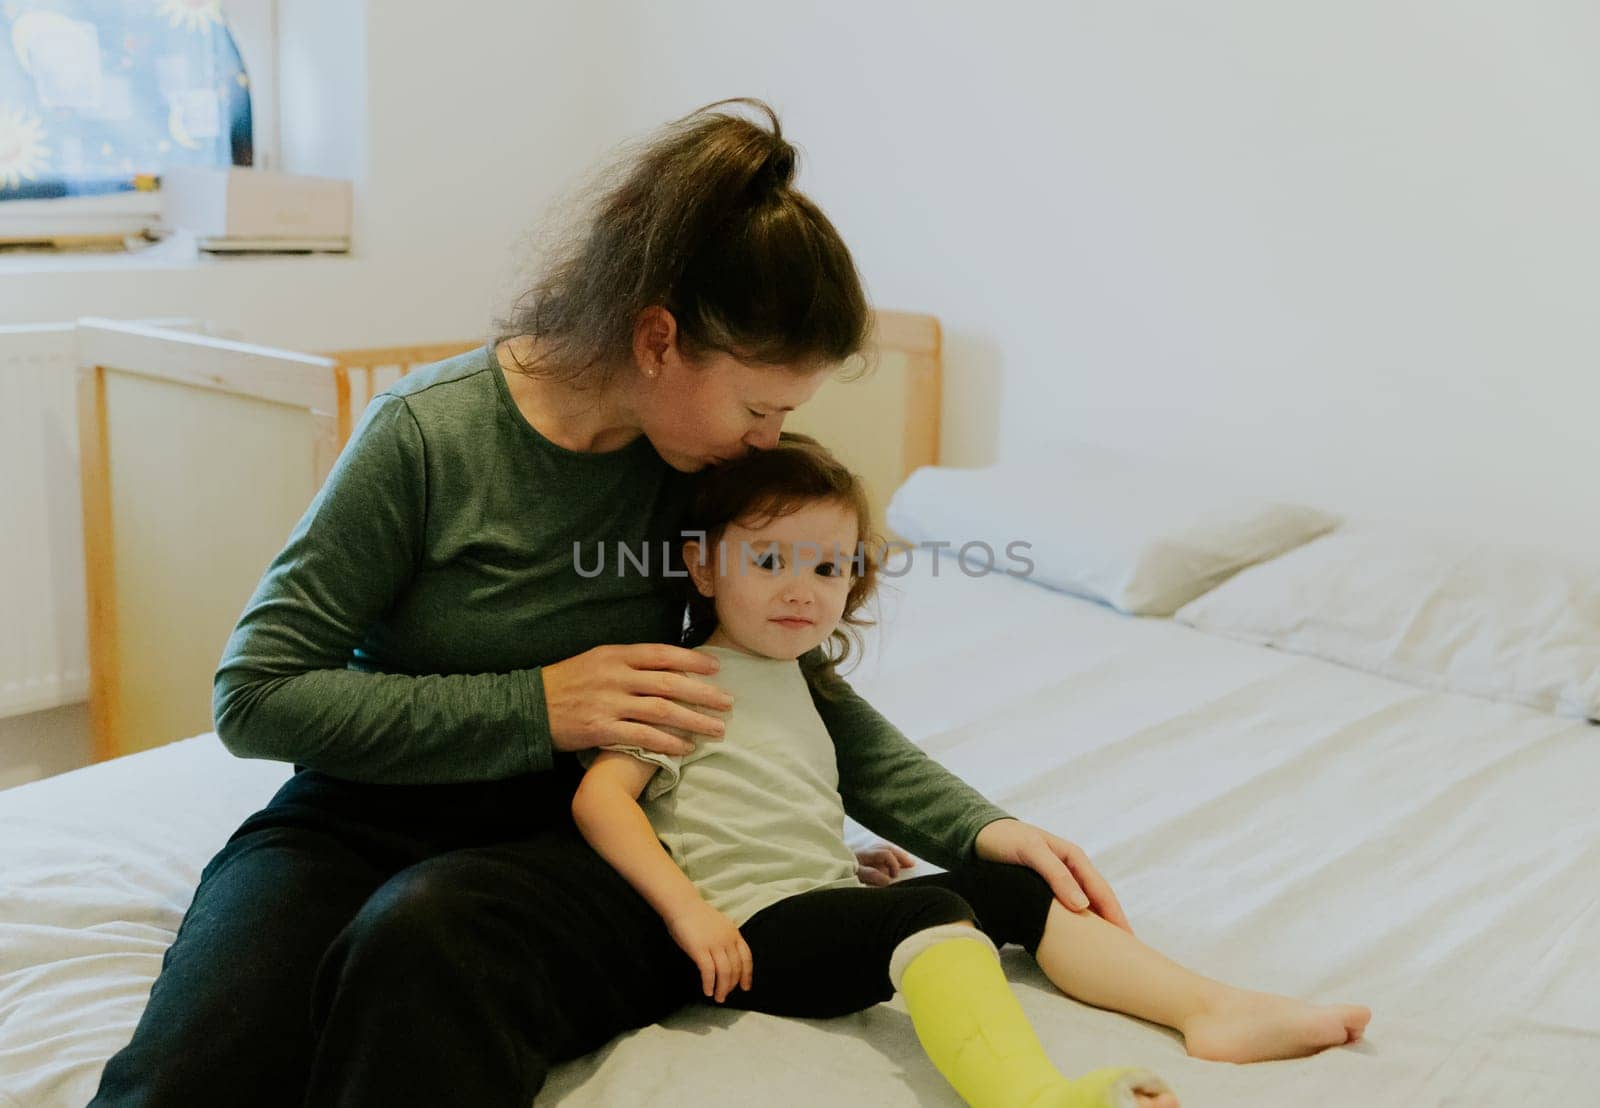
(360, 944)
(826, 953)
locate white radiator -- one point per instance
(43, 640)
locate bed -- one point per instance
(1273, 820)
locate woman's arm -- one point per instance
(890, 785)
(606, 810)
(282, 690)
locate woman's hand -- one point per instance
(881, 864)
(624, 694)
(1064, 865)
(717, 947)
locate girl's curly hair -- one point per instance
(765, 485)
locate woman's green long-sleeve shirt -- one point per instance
(451, 553)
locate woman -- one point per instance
(414, 916)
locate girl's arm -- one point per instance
(606, 810)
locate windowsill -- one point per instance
(176, 252)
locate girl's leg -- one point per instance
(1100, 964)
(976, 1033)
(826, 953)
(834, 951)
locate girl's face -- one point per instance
(713, 410)
(779, 589)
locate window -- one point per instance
(99, 97)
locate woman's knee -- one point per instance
(409, 930)
(418, 937)
(414, 912)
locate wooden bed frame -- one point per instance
(199, 455)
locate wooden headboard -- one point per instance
(886, 423)
(199, 455)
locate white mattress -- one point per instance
(1274, 821)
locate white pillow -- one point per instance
(1445, 613)
(1142, 537)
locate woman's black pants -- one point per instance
(359, 944)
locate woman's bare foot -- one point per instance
(1244, 1026)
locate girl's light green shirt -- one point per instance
(755, 816)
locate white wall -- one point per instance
(1347, 251)
(1350, 251)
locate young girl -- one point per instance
(739, 845)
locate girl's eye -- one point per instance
(758, 415)
(768, 560)
(828, 569)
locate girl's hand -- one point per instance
(624, 694)
(881, 864)
(717, 947)
(1064, 865)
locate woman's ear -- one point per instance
(655, 340)
(699, 568)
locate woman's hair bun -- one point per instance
(704, 221)
(777, 172)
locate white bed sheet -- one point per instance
(1274, 821)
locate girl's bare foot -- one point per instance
(1154, 1100)
(1244, 1026)
(1109, 1086)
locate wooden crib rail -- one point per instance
(197, 455)
(359, 375)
